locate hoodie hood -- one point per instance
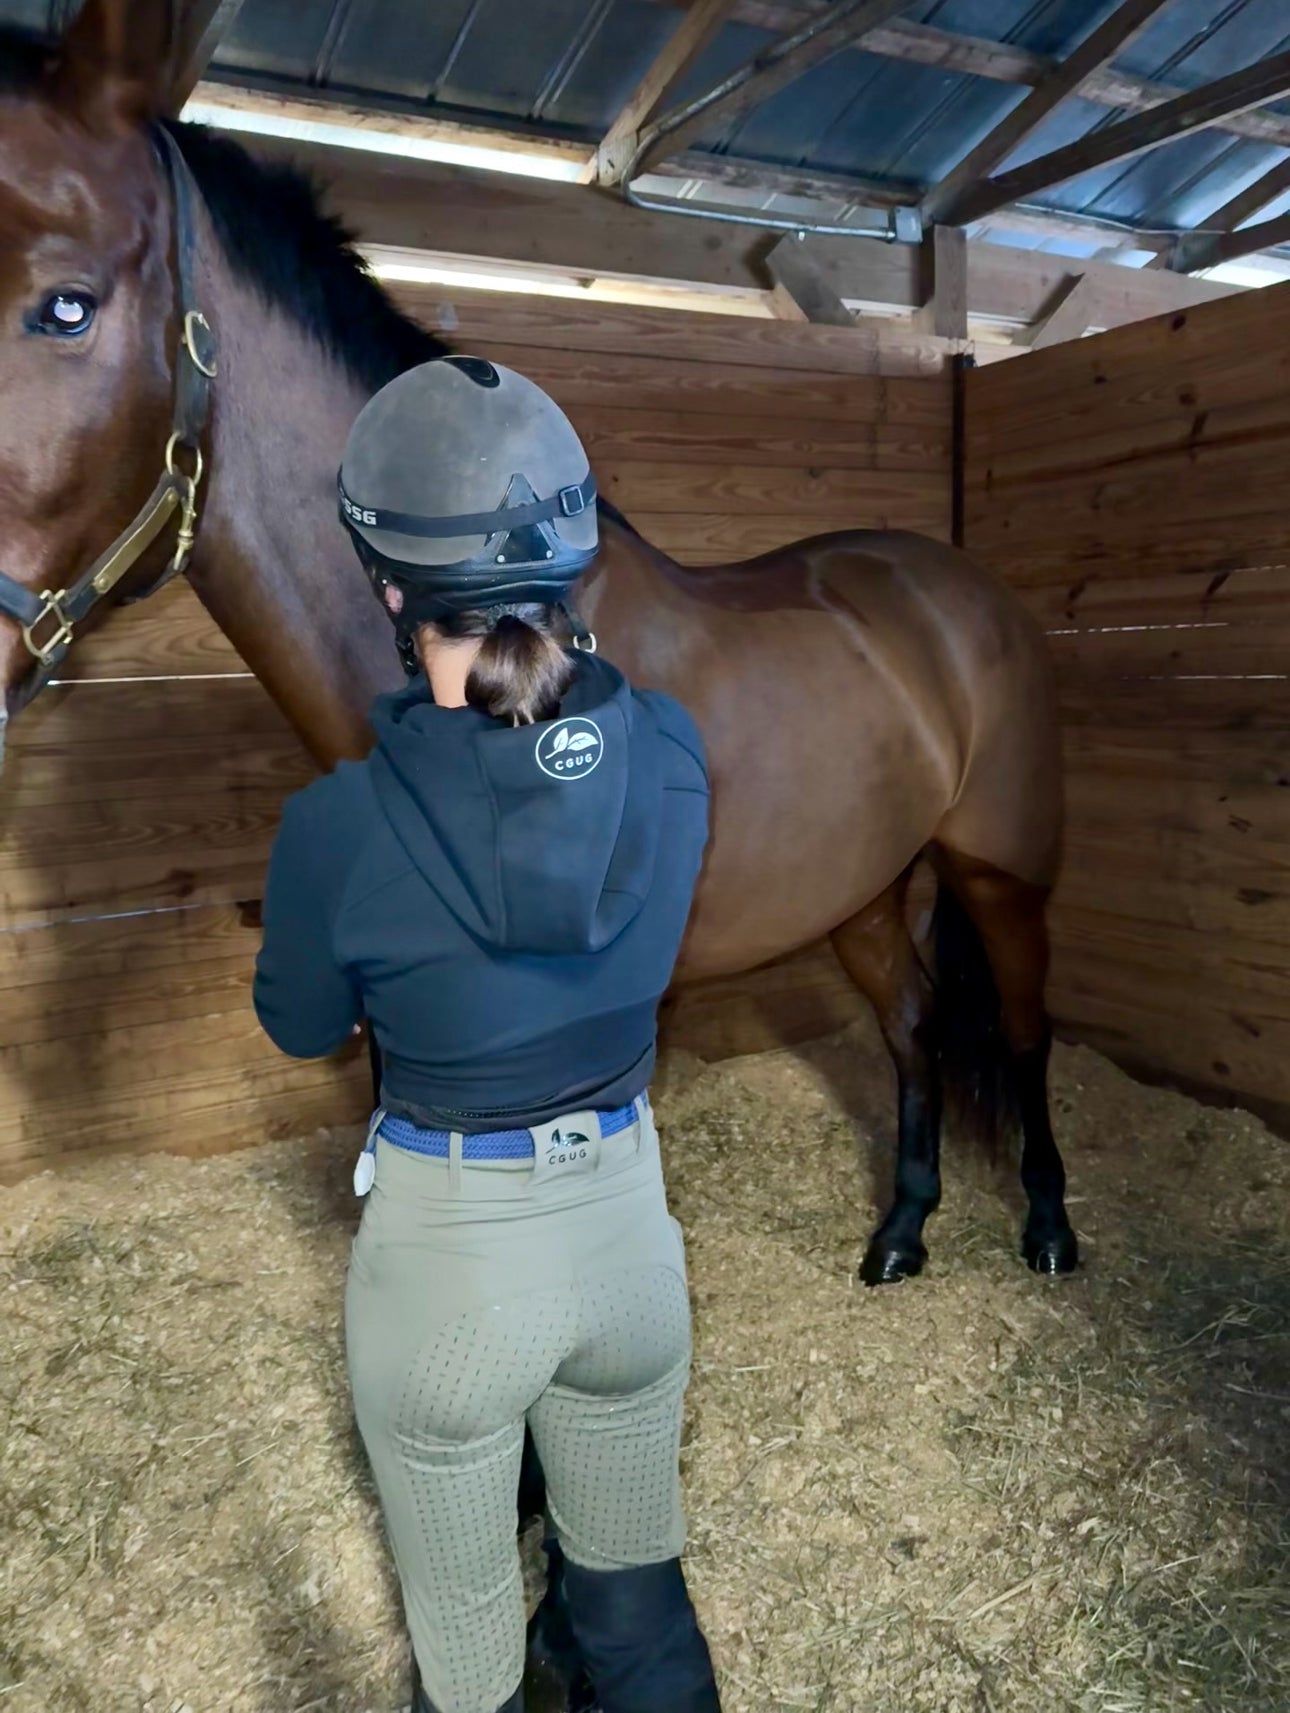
(538, 838)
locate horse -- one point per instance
(185, 339)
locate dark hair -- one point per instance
(525, 665)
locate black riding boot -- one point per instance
(421, 1702)
(556, 1680)
(640, 1639)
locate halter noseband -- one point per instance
(176, 489)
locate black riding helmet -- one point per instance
(464, 486)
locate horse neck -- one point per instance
(272, 565)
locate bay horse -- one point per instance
(866, 698)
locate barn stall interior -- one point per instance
(970, 1493)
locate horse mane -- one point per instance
(302, 261)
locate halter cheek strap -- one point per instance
(49, 620)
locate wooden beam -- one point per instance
(201, 25)
(1211, 250)
(289, 104)
(579, 231)
(1073, 312)
(683, 47)
(1197, 250)
(1002, 62)
(945, 200)
(944, 309)
(773, 69)
(801, 293)
(1195, 111)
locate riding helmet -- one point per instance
(465, 486)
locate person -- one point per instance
(501, 890)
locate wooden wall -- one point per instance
(1136, 487)
(140, 798)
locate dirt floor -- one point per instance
(975, 1493)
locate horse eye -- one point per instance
(64, 314)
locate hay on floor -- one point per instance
(976, 1493)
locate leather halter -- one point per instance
(176, 489)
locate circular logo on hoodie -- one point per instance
(570, 749)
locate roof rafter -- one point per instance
(1196, 250)
(1180, 117)
(944, 201)
(1212, 249)
(767, 72)
(1002, 62)
(691, 36)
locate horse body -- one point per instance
(864, 697)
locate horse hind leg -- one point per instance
(877, 952)
(1008, 915)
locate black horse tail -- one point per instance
(977, 1084)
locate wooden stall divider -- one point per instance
(1134, 486)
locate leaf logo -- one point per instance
(570, 750)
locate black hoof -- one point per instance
(887, 1264)
(1052, 1255)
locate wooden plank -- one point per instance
(945, 200)
(135, 796)
(846, 498)
(1120, 437)
(619, 437)
(1207, 356)
(774, 68)
(1238, 92)
(944, 309)
(801, 293)
(1070, 316)
(1248, 594)
(626, 330)
(660, 383)
(151, 946)
(1162, 655)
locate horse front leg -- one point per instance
(878, 953)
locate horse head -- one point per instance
(89, 322)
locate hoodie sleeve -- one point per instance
(307, 1004)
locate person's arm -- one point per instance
(307, 1004)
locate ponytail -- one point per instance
(524, 667)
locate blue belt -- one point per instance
(492, 1144)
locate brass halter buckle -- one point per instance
(186, 485)
(47, 652)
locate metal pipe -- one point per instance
(771, 222)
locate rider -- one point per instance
(501, 890)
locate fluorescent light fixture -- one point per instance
(380, 141)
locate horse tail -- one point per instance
(976, 1082)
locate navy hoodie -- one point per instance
(504, 904)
